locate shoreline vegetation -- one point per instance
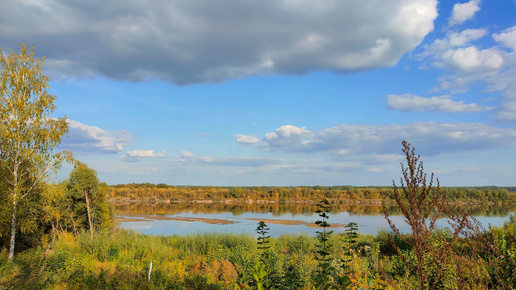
(114, 258)
(135, 193)
(121, 259)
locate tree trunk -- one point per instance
(14, 220)
(73, 222)
(13, 231)
(89, 215)
(54, 231)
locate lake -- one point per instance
(186, 218)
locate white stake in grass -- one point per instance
(150, 270)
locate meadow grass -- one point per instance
(120, 259)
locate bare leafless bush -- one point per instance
(422, 205)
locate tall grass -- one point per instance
(120, 259)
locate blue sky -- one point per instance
(288, 92)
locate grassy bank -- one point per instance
(120, 259)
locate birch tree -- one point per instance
(83, 186)
(28, 133)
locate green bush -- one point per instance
(386, 237)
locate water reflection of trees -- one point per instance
(278, 209)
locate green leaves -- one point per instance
(83, 179)
(263, 239)
(28, 135)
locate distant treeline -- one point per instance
(168, 192)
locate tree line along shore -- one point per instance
(148, 192)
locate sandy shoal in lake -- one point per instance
(186, 219)
(226, 222)
(295, 223)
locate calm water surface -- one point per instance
(172, 219)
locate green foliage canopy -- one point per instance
(28, 135)
(87, 199)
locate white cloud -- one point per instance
(452, 40)
(388, 158)
(285, 167)
(494, 67)
(145, 153)
(187, 156)
(456, 39)
(414, 103)
(507, 116)
(455, 52)
(430, 138)
(464, 11)
(507, 37)
(197, 41)
(136, 155)
(246, 139)
(466, 63)
(90, 139)
(288, 135)
(470, 58)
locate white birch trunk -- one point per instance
(13, 232)
(89, 215)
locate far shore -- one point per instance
(369, 202)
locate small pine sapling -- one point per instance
(351, 246)
(265, 276)
(326, 276)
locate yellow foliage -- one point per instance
(175, 269)
(108, 267)
(68, 239)
(221, 271)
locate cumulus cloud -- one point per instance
(414, 103)
(136, 155)
(145, 153)
(453, 39)
(507, 37)
(447, 55)
(288, 135)
(495, 67)
(187, 156)
(197, 41)
(464, 11)
(462, 38)
(284, 136)
(470, 58)
(507, 116)
(467, 63)
(245, 139)
(90, 139)
(430, 138)
(456, 52)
